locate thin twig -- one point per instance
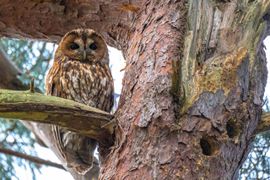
(33, 159)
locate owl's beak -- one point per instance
(84, 55)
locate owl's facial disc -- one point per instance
(84, 46)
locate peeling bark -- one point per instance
(147, 113)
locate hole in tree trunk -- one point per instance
(208, 145)
(232, 128)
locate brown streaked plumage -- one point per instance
(80, 72)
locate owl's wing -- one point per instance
(66, 143)
(52, 81)
(53, 88)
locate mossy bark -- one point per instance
(54, 110)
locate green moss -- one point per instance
(198, 76)
(217, 73)
(33, 107)
(39, 116)
(10, 96)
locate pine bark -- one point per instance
(193, 86)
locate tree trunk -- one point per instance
(193, 87)
(189, 110)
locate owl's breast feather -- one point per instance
(90, 84)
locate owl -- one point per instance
(80, 72)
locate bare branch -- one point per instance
(54, 110)
(31, 158)
(264, 124)
(49, 17)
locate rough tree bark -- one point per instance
(194, 81)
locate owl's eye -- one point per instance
(93, 46)
(74, 46)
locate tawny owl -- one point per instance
(80, 72)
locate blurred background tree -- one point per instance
(33, 59)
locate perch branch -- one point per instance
(54, 110)
(264, 124)
(33, 159)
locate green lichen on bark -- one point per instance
(40, 108)
(239, 25)
(10, 96)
